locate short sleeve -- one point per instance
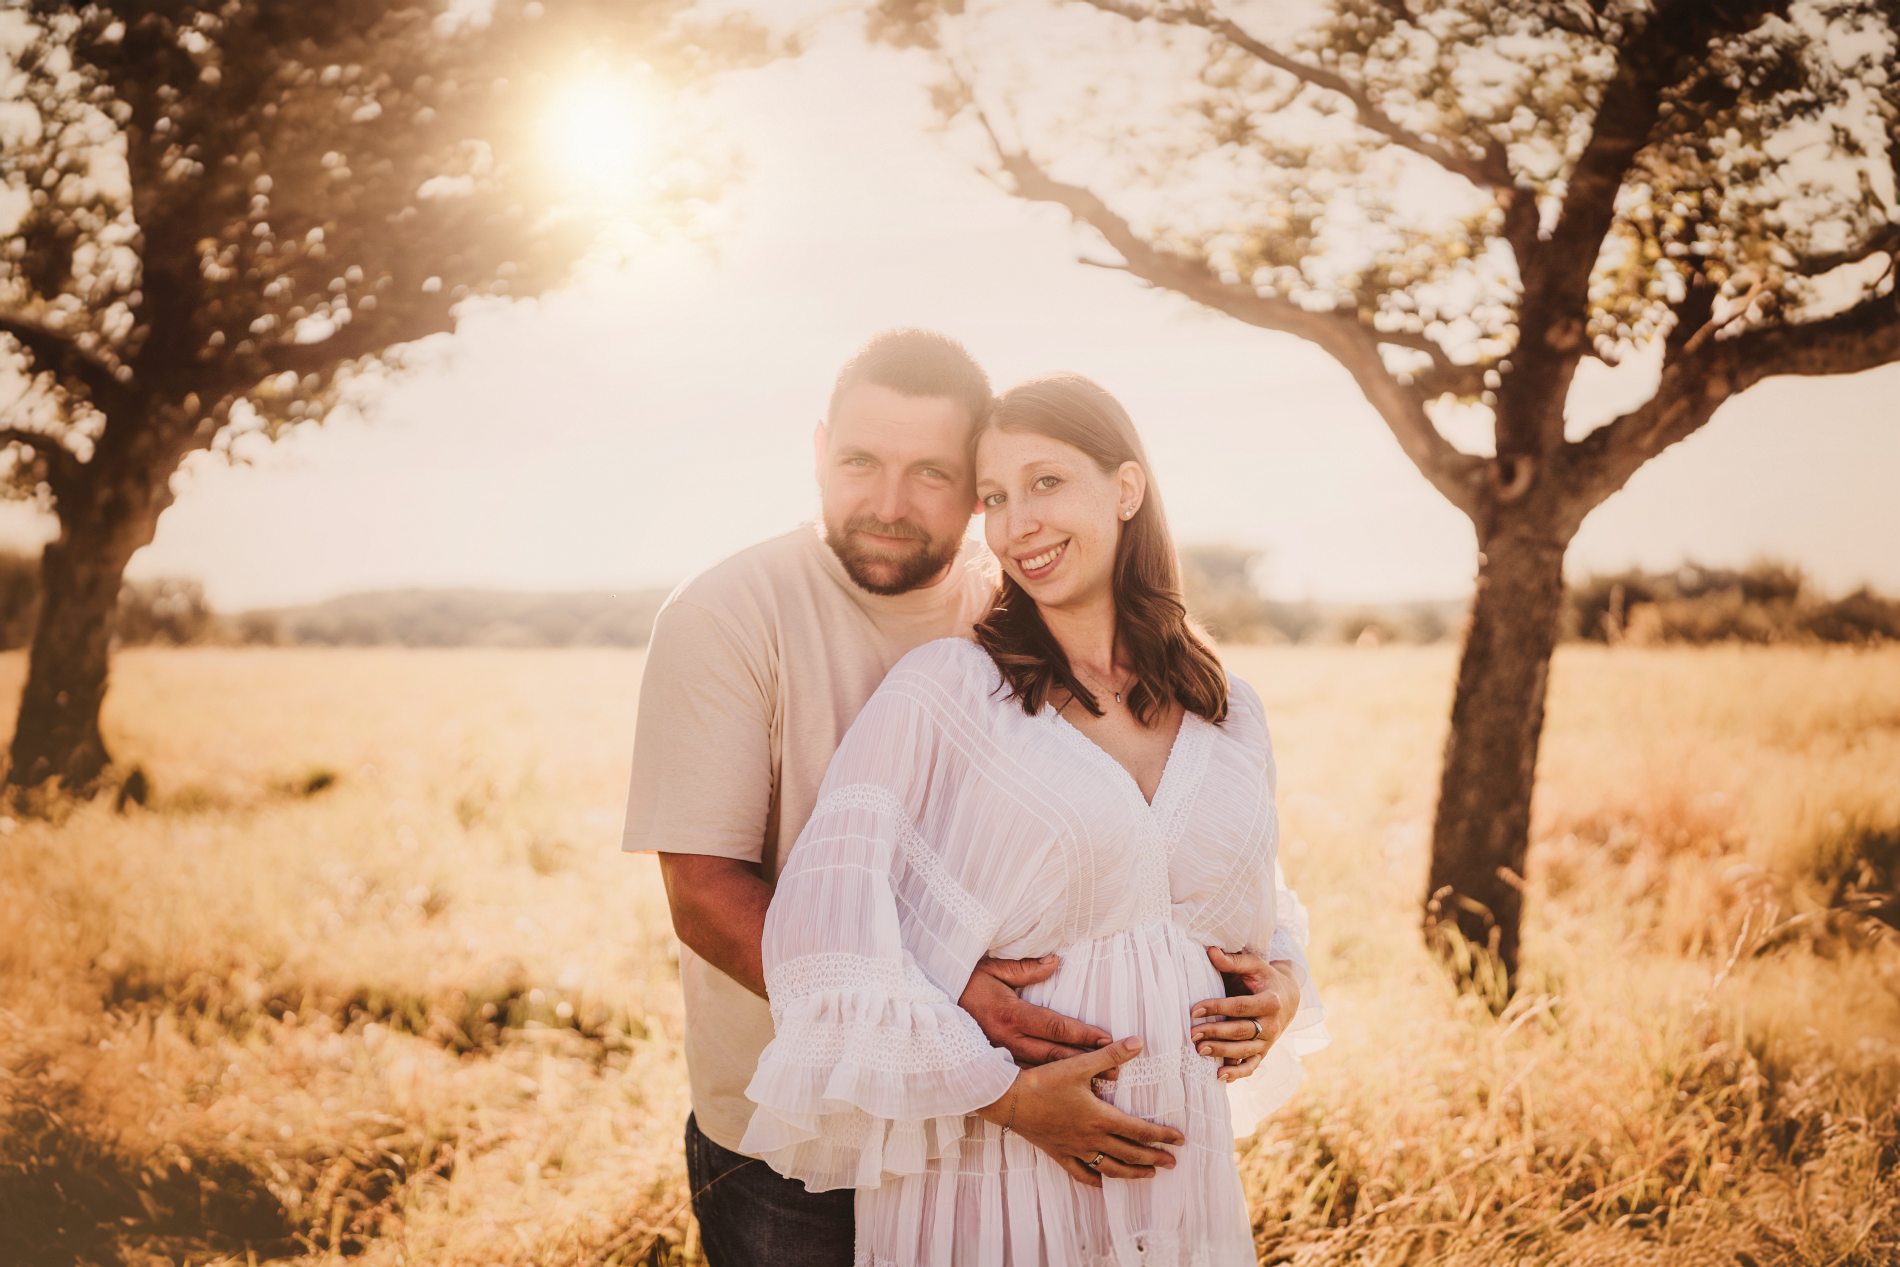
(878, 919)
(1281, 930)
(702, 757)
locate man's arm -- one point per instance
(1033, 1035)
(718, 907)
(701, 786)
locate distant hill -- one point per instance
(457, 618)
(1766, 602)
(1224, 592)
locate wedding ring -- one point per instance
(1095, 1161)
(1256, 1025)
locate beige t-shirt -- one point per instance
(757, 668)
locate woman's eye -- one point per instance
(1047, 482)
(992, 501)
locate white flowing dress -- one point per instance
(952, 825)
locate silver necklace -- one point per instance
(1098, 686)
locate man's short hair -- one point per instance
(917, 363)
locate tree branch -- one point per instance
(1697, 382)
(1488, 171)
(1556, 275)
(1586, 24)
(1864, 337)
(1444, 374)
(1885, 241)
(361, 338)
(64, 471)
(1355, 346)
(57, 354)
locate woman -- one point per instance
(1084, 780)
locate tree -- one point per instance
(227, 211)
(1462, 204)
(1218, 582)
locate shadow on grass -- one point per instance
(470, 1021)
(68, 1197)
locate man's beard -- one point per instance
(883, 572)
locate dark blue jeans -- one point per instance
(752, 1216)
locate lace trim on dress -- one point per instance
(1151, 882)
(868, 992)
(918, 855)
(1161, 820)
(841, 970)
(1193, 754)
(1153, 1070)
(822, 1042)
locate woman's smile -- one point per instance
(1037, 566)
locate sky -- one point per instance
(639, 427)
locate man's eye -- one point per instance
(934, 473)
(857, 462)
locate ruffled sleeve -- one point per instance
(1281, 931)
(872, 933)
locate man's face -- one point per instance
(894, 485)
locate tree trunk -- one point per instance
(1481, 836)
(57, 735)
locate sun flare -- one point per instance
(600, 135)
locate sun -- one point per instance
(600, 132)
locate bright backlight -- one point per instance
(600, 132)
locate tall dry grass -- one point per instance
(369, 979)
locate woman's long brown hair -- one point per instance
(1170, 661)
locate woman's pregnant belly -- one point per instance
(1141, 981)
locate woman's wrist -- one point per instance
(1002, 1111)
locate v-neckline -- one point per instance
(1128, 778)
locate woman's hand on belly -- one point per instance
(1266, 996)
(1054, 1107)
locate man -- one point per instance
(756, 669)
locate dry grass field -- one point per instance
(369, 979)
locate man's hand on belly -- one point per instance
(1033, 1035)
(1259, 991)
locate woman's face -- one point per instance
(1051, 515)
